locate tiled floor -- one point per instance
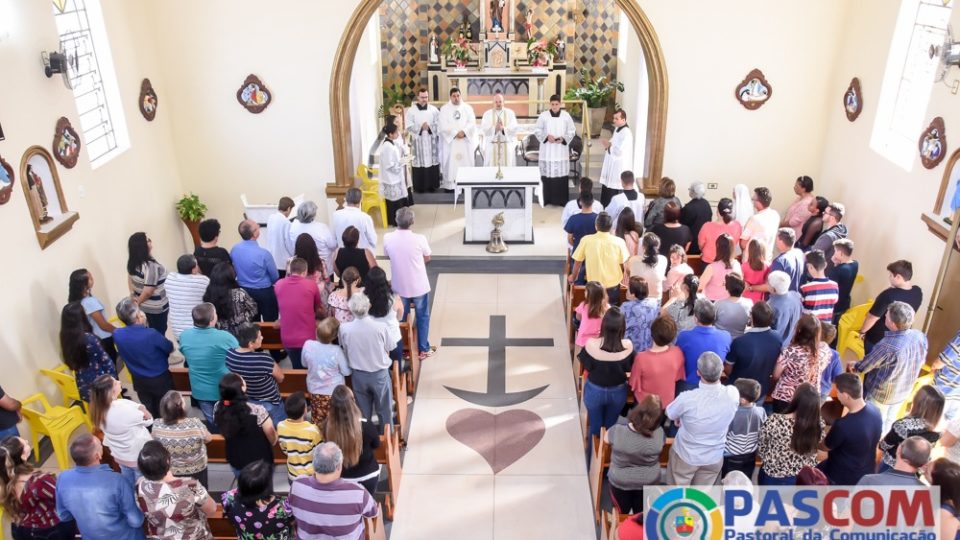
(449, 489)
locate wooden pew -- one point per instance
(222, 528)
(217, 452)
(294, 380)
(388, 455)
(595, 475)
(408, 329)
(400, 399)
(271, 336)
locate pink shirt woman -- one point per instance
(712, 280)
(589, 326)
(726, 224)
(755, 269)
(799, 211)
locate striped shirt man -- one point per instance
(184, 292)
(297, 440)
(743, 435)
(892, 366)
(331, 511)
(820, 295)
(947, 379)
(256, 369)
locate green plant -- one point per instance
(392, 95)
(190, 208)
(457, 49)
(596, 92)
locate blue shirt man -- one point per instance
(99, 500)
(700, 339)
(144, 351)
(256, 270)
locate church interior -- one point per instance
(121, 117)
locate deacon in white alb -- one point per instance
(458, 131)
(423, 124)
(617, 158)
(555, 130)
(393, 186)
(499, 128)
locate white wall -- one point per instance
(632, 72)
(366, 93)
(134, 192)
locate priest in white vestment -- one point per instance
(393, 185)
(555, 130)
(458, 131)
(617, 158)
(499, 128)
(423, 124)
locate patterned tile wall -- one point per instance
(590, 28)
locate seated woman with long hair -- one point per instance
(635, 454)
(789, 440)
(82, 351)
(350, 283)
(124, 424)
(802, 362)
(607, 360)
(28, 496)
(628, 229)
(921, 421)
(246, 427)
(254, 510)
(234, 305)
(649, 264)
(356, 436)
(713, 279)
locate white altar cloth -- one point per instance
(485, 196)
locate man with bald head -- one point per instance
(256, 269)
(499, 129)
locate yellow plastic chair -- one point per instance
(63, 377)
(58, 423)
(370, 189)
(849, 329)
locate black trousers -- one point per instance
(556, 191)
(392, 207)
(199, 477)
(295, 356)
(266, 301)
(780, 406)
(110, 347)
(426, 178)
(151, 389)
(608, 193)
(745, 464)
(65, 530)
(629, 501)
(613, 295)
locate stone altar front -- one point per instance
(484, 196)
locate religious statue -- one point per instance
(38, 195)
(561, 45)
(528, 24)
(496, 15)
(434, 50)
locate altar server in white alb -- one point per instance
(458, 134)
(499, 129)
(555, 130)
(393, 186)
(423, 124)
(617, 158)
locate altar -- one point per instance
(485, 196)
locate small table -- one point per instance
(485, 196)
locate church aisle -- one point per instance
(495, 445)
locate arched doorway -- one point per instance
(345, 162)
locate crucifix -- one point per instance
(499, 143)
(496, 394)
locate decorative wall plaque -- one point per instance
(253, 95)
(6, 180)
(41, 186)
(66, 143)
(754, 90)
(933, 144)
(853, 100)
(148, 100)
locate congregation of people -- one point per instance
(338, 315)
(733, 365)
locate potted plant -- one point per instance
(539, 52)
(457, 50)
(598, 93)
(395, 100)
(191, 211)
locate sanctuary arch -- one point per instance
(345, 162)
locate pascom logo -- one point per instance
(685, 513)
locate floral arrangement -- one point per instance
(539, 51)
(597, 92)
(457, 49)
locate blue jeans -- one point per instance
(130, 474)
(766, 480)
(206, 407)
(11, 431)
(374, 393)
(266, 300)
(422, 305)
(603, 405)
(276, 410)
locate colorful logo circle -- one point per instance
(685, 513)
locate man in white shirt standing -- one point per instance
(629, 197)
(499, 128)
(458, 130)
(185, 289)
(762, 225)
(351, 215)
(423, 124)
(704, 415)
(617, 158)
(278, 240)
(555, 130)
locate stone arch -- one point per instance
(345, 162)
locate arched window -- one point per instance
(95, 90)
